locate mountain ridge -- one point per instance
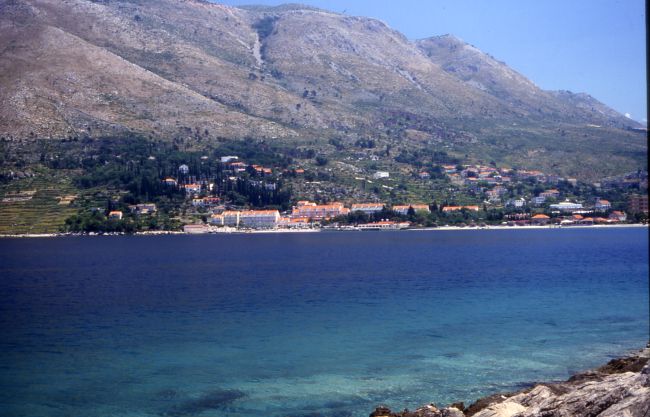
(274, 73)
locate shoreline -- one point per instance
(621, 387)
(315, 230)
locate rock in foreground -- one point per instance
(620, 388)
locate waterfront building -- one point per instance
(384, 225)
(231, 218)
(618, 216)
(217, 219)
(319, 211)
(259, 219)
(540, 219)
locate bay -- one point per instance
(314, 324)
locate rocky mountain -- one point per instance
(168, 68)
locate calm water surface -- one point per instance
(323, 324)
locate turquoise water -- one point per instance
(322, 324)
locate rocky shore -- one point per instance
(621, 388)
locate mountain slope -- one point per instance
(168, 68)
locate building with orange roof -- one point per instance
(192, 188)
(618, 216)
(115, 215)
(259, 219)
(602, 205)
(540, 219)
(319, 211)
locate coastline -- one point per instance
(619, 388)
(272, 231)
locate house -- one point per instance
(424, 175)
(517, 203)
(368, 208)
(496, 193)
(539, 200)
(229, 158)
(380, 174)
(184, 169)
(602, 205)
(146, 208)
(115, 215)
(170, 182)
(259, 219)
(618, 216)
(319, 211)
(587, 221)
(404, 209)
(566, 206)
(552, 193)
(191, 189)
(540, 219)
(237, 166)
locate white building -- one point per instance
(380, 174)
(259, 219)
(517, 203)
(368, 208)
(602, 205)
(566, 206)
(539, 200)
(229, 158)
(231, 218)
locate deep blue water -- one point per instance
(327, 324)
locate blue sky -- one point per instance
(592, 46)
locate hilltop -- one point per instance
(170, 69)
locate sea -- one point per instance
(309, 324)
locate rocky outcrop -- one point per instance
(619, 388)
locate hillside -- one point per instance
(195, 70)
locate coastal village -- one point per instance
(501, 202)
